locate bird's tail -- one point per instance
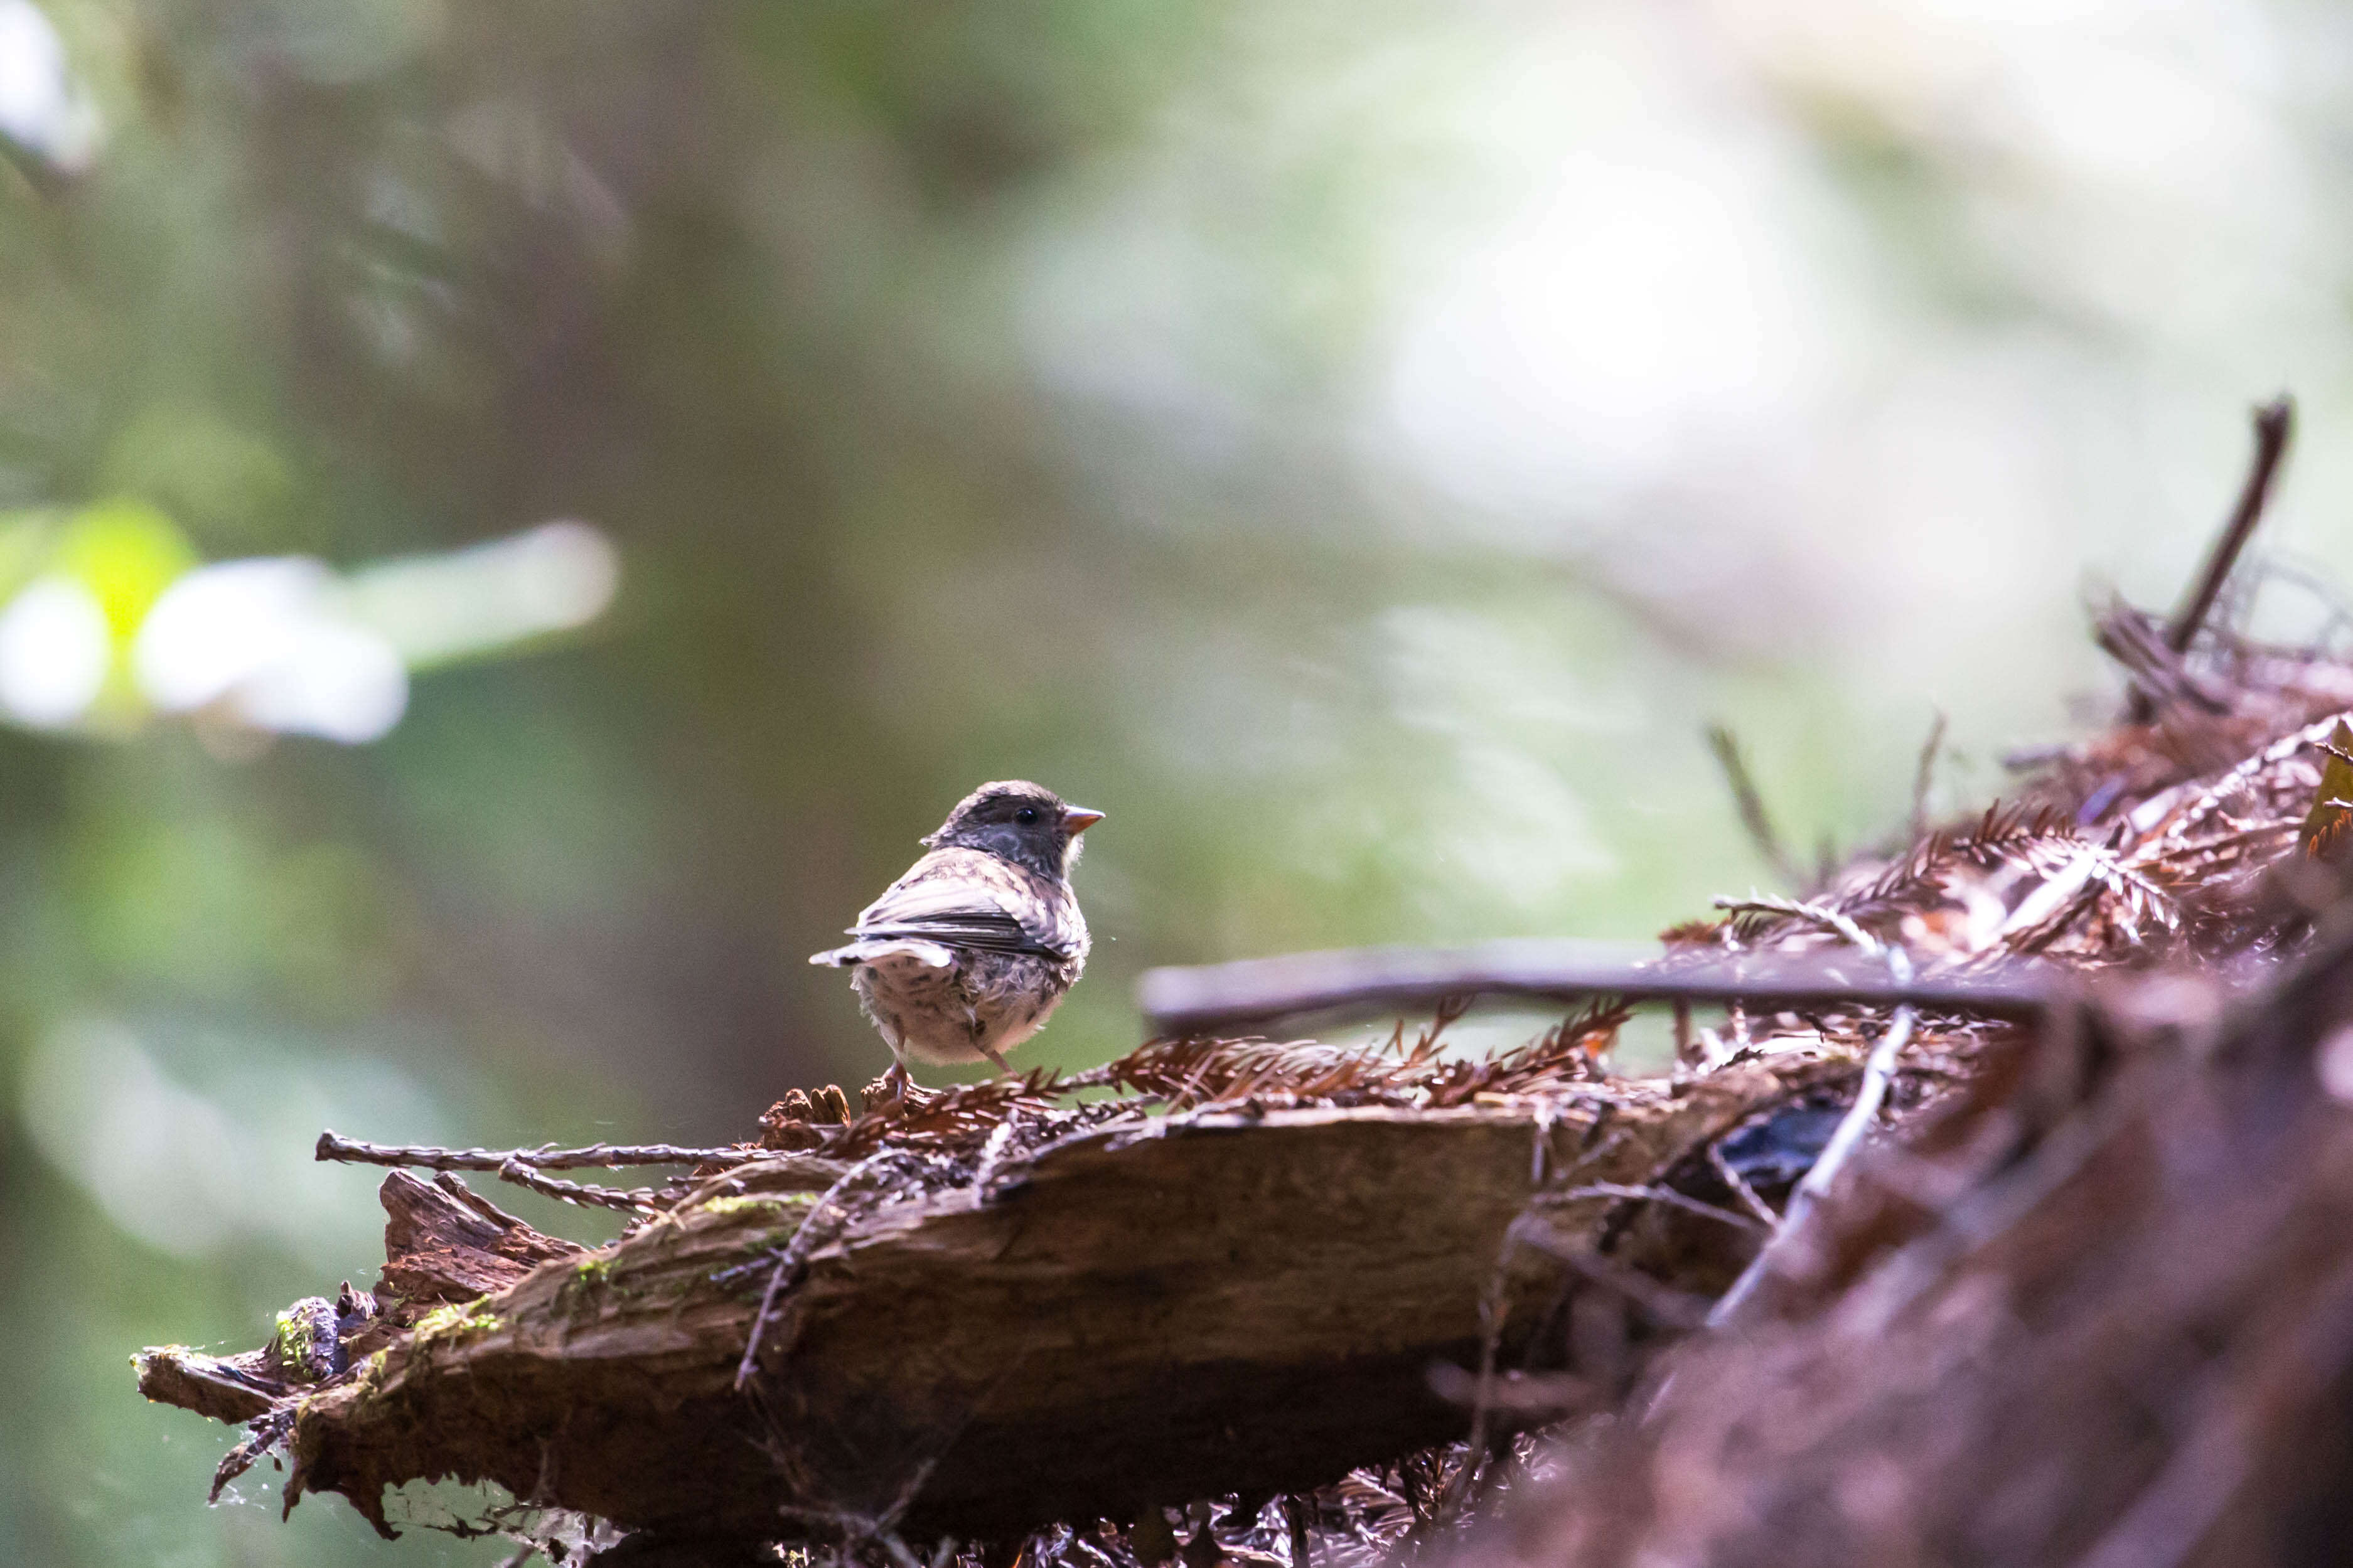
(906, 950)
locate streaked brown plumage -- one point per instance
(967, 954)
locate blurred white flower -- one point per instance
(53, 652)
(272, 642)
(41, 108)
(217, 625)
(341, 681)
(286, 646)
(551, 578)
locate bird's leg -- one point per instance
(896, 1081)
(977, 1031)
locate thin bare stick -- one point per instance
(636, 1200)
(1255, 993)
(2273, 422)
(1491, 1309)
(1877, 1071)
(1666, 1196)
(1741, 1189)
(1751, 804)
(1676, 1309)
(883, 1529)
(1924, 776)
(825, 1221)
(745, 1368)
(2155, 663)
(609, 1156)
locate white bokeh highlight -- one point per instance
(285, 645)
(54, 653)
(553, 578)
(270, 641)
(42, 109)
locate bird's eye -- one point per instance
(1027, 816)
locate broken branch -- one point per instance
(1216, 997)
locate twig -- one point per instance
(2136, 640)
(2275, 422)
(1751, 804)
(636, 1200)
(1550, 1394)
(1924, 776)
(1741, 1189)
(1877, 1071)
(1491, 1309)
(1492, 1304)
(882, 1529)
(609, 1156)
(1821, 914)
(265, 1432)
(1258, 992)
(1666, 1196)
(825, 1221)
(1675, 1308)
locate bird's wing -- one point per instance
(967, 899)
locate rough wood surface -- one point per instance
(444, 1242)
(226, 1388)
(1201, 1303)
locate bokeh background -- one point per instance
(514, 518)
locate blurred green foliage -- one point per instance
(973, 391)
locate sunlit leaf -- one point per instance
(125, 553)
(2323, 835)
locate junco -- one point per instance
(967, 954)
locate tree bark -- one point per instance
(1167, 1308)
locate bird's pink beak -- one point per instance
(1077, 819)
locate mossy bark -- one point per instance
(1200, 1304)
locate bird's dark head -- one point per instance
(1026, 824)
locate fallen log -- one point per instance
(1234, 1298)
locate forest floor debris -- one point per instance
(2000, 1215)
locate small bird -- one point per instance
(967, 954)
